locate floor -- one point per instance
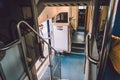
(72, 67)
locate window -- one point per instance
(62, 17)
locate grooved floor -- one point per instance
(72, 67)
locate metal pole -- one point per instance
(107, 37)
(48, 31)
(50, 63)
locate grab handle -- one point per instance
(87, 53)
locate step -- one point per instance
(77, 53)
(79, 33)
(78, 37)
(81, 29)
(80, 42)
(81, 45)
(78, 48)
(68, 53)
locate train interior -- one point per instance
(58, 40)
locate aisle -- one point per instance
(72, 67)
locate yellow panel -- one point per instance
(74, 14)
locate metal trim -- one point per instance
(16, 42)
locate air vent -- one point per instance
(54, 4)
(78, 4)
(60, 4)
(66, 3)
(48, 5)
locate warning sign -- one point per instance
(59, 27)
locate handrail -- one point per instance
(94, 61)
(49, 46)
(20, 36)
(88, 59)
(6, 47)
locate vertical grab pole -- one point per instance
(49, 49)
(49, 31)
(50, 63)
